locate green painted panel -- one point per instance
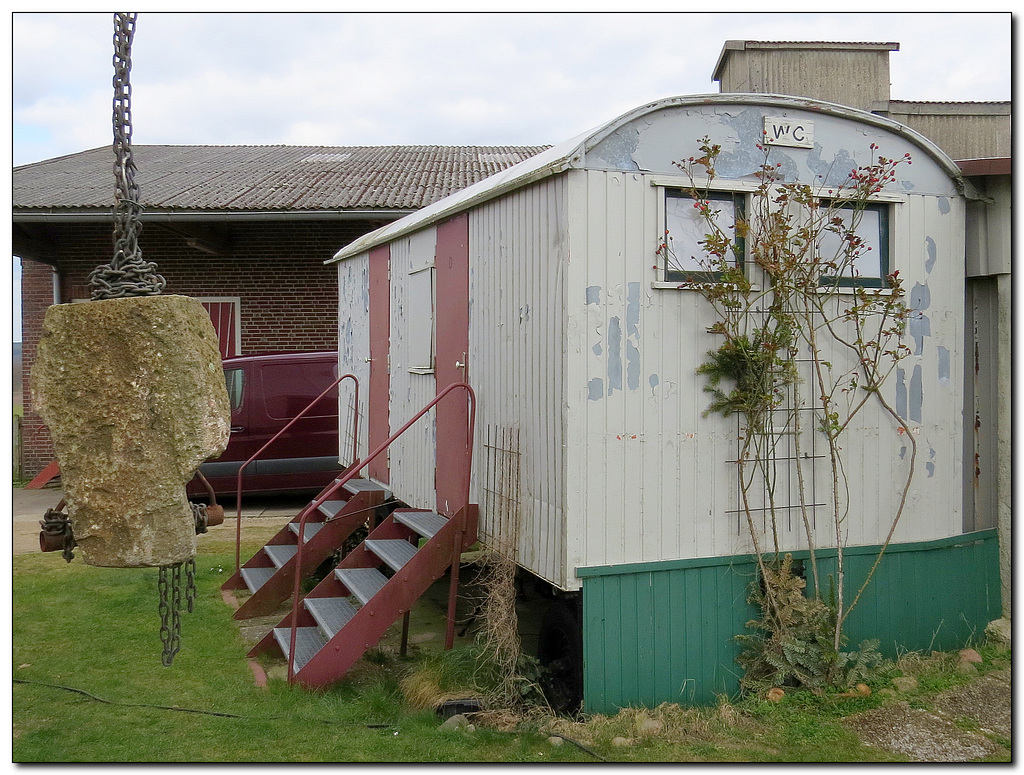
(665, 634)
(937, 598)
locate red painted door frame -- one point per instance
(378, 420)
(451, 274)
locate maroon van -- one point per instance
(266, 391)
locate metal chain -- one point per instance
(175, 609)
(190, 585)
(165, 629)
(127, 274)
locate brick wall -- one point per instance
(289, 299)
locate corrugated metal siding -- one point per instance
(650, 477)
(663, 632)
(412, 454)
(518, 256)
(353, 348)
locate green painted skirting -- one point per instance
(663, 632)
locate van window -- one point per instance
(234, 379)
(290, 387)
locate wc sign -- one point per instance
(788, 132)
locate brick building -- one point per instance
(246, 229)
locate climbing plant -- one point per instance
(806, 345)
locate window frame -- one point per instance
(677, 277)
(885, 219)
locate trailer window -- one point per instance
(685, 251)
(865, 264)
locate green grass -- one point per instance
(96, 630)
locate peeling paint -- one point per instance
(614, 355)
(632, 366)
(930, 468)
(919, 325)
(901, 392)
(524, 314)
(932, 252)
(593, 294)
(595, 389)
(633, 309)
(943, 366)
(916, 395)
(944, 207)
(903, 452)
(653, 382)
(597, 349)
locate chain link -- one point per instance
(165, 630)
(175, 609)
(190, 586)
(127, 274)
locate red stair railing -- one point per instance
(349, 474)
(261, 450)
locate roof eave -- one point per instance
(80, 215)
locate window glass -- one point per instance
(870, 265)
(234, 379)
(685, 228)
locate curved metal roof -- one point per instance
(572, 153)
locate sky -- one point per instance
(431, 78)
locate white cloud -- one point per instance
(467, 78)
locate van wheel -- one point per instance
(560, 652)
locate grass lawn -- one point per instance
(96, 630)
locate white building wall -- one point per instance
(353, 349)
(650, 477)
(411, 458)
(518, 257)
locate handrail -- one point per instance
(350, 474)
(260, 451)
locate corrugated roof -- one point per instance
(271, 177)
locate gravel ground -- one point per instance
(982, 706)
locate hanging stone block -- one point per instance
(133, 393)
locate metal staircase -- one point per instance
(376, 583)
(269, 573)
(372, 587)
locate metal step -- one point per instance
(280, 554)
(395, 552)
(331, 613)
(255, 578)
(355, 486)
(330, 508)
(308, 641)
(312, 528)
(362, 583)
(425, 523)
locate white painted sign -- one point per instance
(788, 132)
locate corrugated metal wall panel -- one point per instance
(651, 476)
(412, 454)
(353, 348)
(518, 255)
